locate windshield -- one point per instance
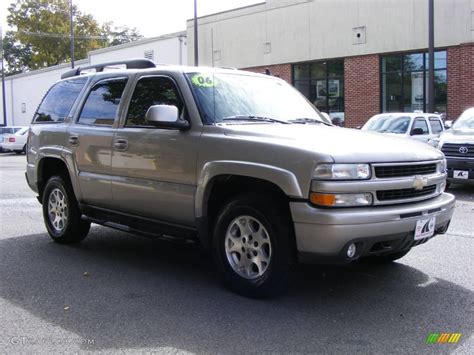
(466, 120)
(388, 124)
(227, 97)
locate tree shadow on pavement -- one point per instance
(143, 294)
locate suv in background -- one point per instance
(237, 161)
(424, 127)
(7, 130)
(457, 144)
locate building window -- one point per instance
(323, 84)
(405, 82)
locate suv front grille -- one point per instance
(401, 194)
(404, 170)
(454, 150)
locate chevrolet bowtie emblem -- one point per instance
(420, 182)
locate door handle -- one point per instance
(121, 145)
(74, 140)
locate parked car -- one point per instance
(423, 127)
(16, 142)
(239, 162)
(7, 130)
(457, 144)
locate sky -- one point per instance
(151, 17)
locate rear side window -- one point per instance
(6, 130)
(102, 103)
(436, 126)
(58, 101)
(420, 123)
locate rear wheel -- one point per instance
(61, 212)
(386, 258)
(253, 246)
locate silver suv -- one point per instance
(237, 161)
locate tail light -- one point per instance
(11, 139)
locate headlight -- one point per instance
(341, 200)
(442, 166)
(342, 172)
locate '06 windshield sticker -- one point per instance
(204, 81)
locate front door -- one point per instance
(155, 168)
(90, 140)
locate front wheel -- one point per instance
(253, 246)
(61, 212)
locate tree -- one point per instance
(39, 35)
(119, 34)
(16, 55)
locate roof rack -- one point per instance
(129, 64)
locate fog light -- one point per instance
(351, 250)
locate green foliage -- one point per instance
(40, 35)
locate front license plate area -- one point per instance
(461, 174)
(425, 228)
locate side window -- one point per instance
(148, 92)
(436, 126)
(420, 123)
(102, 103)
(59, 100)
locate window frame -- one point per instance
(420, 118)
(89, 91)
(404, 73)
(126, 105)
(309, 80)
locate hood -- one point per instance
(344, 145)
(464, 135)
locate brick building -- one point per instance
(352, 59)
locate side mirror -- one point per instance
(448, 124)
(417, 131)
(165, 116)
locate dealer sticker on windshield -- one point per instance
(204, 80)
(425, 228)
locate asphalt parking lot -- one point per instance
(118, 292)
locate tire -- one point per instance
(253, 246)
(18, 152)
(61, 213)
(386, 258)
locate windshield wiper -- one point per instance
(305, 120)
(253, 118)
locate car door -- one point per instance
(436, 126)
(155, 168)
(90, 140)
(421, 124)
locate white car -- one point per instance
(7, 130)
(16, 142)
(424, 127)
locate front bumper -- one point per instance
(324, 234)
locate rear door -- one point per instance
(90, 140)
(436, 126)
(155, 168)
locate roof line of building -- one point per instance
(137, 43)
(227, 11)
(47, 69)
